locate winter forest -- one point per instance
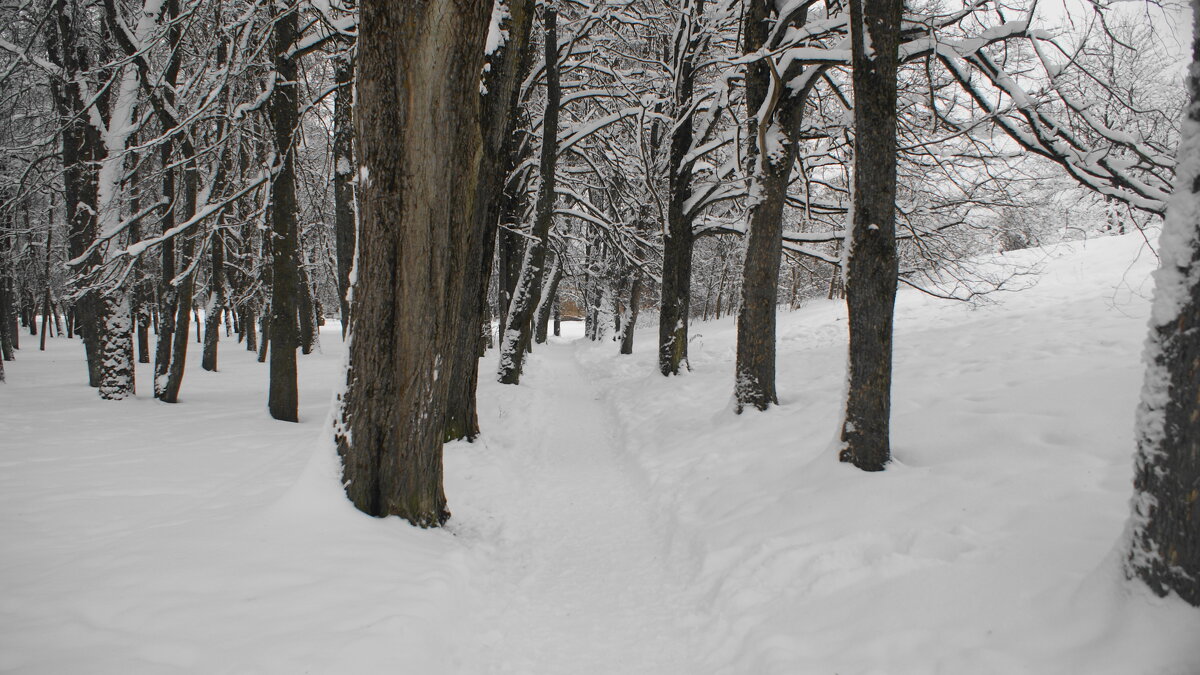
(696, 337)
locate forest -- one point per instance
(697, 276)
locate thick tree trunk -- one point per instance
(501, 80)
(417, 123)
(872, 265)
(1164, 546)
(680, 238)
(773, 128)
(283, 399)
(116, 347)
(518, 331)
(80, 151)
(343, 179)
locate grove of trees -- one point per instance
(448, 177)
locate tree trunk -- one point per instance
(518, 331)
(343, 179)
(547, 300)
(116, 347)
(635, 301)
(184, 290)
(872, 265)
(773, 150)
(418, 128)
(1164, 546)
(216, 301)
(283, 400)
(680, 238)
(501, 80)
(80, 151)
(248, 328)
(306, 313)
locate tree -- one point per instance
(872, 267)
(519, 328)
(1164, 546)
(418, 129)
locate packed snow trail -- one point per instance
(581, 579)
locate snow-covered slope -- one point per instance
(611, 520)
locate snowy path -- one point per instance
(583, 579)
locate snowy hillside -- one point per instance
(612, 521)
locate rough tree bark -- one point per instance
(499, 102)
(679, 238)
(417, 126)
(775, 114)
(518, 330)
(80, 151)
(1164, 542)
(282, 399)
(871, 265)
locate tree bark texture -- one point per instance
(1164, 546)
(282, 398)
(417, 124)
(80, 151)
(679, 237)
(518, 331)
(505, 69)
(872, 265)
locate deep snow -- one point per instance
(610, 520)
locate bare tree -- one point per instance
(1164, 546)
(418, 131)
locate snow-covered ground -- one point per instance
(612, 521)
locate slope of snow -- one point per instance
(611, 520)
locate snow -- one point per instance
(611, 520)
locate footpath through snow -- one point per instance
(613, 521)
(583, 579)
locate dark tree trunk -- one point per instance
(872, 266)
(8, 317)
(283, 400)
(80, 151)
(343, 179)
(306, 312)
(417, 124)
(184, 290)
(771, 170)
(216, 301)
(501, 79)
(680, 238)
(248, 328)
(1164, 550)
(168, 292)
(518, 331)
